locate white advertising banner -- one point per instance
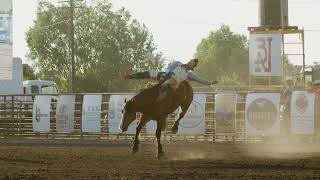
(302, 112)
(6, 40)
(41, 113)
(225, 113)
(151, 126)
(193, 122)
(91, 113)
(262, 114)
(116, 104)
(65, 113)
(6, 65)
(265, 54)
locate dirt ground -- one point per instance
(181, 161)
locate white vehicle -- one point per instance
(17, 86)
(40, 87)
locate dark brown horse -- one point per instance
(145, 103)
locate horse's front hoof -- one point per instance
(174, 130)
(160, 155)
(135, 149)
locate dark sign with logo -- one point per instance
(262, 114)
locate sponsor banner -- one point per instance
(262, 114)
(41, 113)
(65, 113)
(193, 122)
(116, 104)
(6, 40)
(6, 29)
(225, 113)
(265, 54)
(151, 127)
(6, 65)
(302, 112)
(91, 114)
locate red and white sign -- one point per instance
(265, 54)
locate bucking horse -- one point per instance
(145, 103)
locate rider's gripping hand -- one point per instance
(214, 82)
(126, 76)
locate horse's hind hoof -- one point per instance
(134, 151)
(174, 130)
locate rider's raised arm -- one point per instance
(195, 78)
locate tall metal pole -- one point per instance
(72, 84)
(282, 20)
(303, 60)
(284, 69)
(73, 72)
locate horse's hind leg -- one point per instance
(158, 135)
(136, 142)
(184, 109)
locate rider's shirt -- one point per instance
(179, 72)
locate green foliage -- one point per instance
(108, 43)
(224, 55)
(28, 73)
(231, 80)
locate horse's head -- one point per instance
(128, 115)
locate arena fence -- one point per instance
(16, 121)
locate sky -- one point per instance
(178, 26)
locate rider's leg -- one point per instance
(162, 77)
(152, 74)
(169, 84)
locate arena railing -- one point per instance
(16, 120)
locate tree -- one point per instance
(28, 73)
(108, 43)
(224, 56)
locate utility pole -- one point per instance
(72, 44)
(73, 69)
